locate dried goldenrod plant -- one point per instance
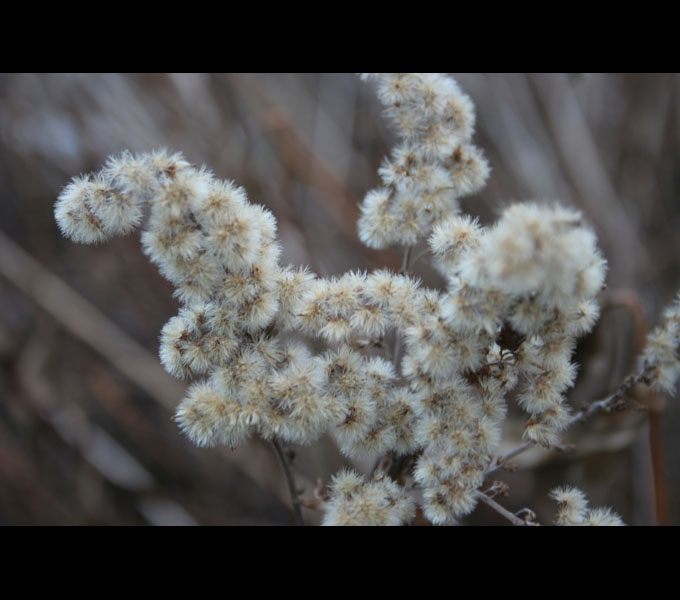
(417, 377)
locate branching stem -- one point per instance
(405, 266)
(615, 401)
(514, 519)
(290, 479)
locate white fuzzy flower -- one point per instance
(572, 509)
(354, 502)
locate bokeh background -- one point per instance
(86, 430)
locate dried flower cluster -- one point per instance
(518, 295)
(433, 166)
(357, 502)
(660, 360)
(572, 509)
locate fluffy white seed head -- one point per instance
(431, 168)
(90, 210)
(517, 296)
(447, 502)
(603, 517)
(450, 238)
(209, 419)
(354, 502)
(572, 510)
(378, 224)
(661, 356)
(543, 250)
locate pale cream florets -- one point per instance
(660, 359)
(517, 296)
(532, 276)
(356, 502)
(432, 167)
(450, 238)
(572, 510)
(541, 250)
(90, 210)
(210, 418)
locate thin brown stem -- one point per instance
(514, 519)
(421, 255)
(406, 261)
(405, 266)
(660, 489)
(500, 461)
(631, 301)
(615, 401)
(290, 479)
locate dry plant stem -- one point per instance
(397, 465)
(661, 492)
(405, 266)
(630, 300)
(615, 401)
(381, 459)
(290, 479)
(506, 457)
(406, 262)
(514, 519)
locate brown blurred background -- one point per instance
(86, 435)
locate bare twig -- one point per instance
(530, 515)
(631, 301)
(515, 520)
(498, 488)
(290, 479)
(421, 255)
(613, 402)
(405, 266)
(406, 262)
(381, 463)
(660, 487)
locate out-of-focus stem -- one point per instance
(290, 478)
(405, 266)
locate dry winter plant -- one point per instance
(417, 379)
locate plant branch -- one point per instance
(615, 401)
(406, 262)
(514, 519)
(405, 266)
(290, 479)
(421, 254)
